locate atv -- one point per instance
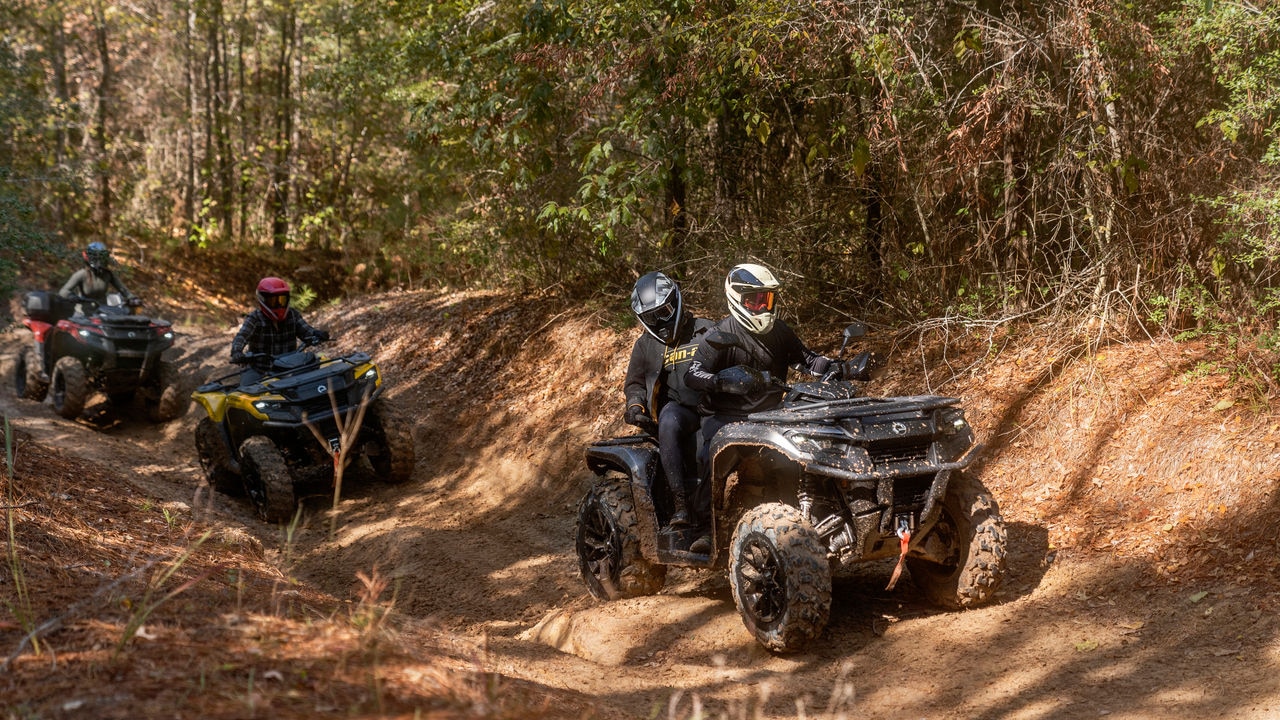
(281, 435)
(826, 480)
(108, 347)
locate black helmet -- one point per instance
(96, 256)
(656, 302)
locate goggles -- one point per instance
(658, 315)
(759, 301)
(277, 301)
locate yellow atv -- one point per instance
(282, 433)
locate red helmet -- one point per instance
(273, 297)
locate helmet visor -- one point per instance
(658, 315)
(277, 301)
(759, 301)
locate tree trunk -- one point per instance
(189, 181)
(64, 141)
(219, 99)
(102, 214)
(278, 197)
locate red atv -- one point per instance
(109, 347)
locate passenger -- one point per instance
(272, 329)
(655, 385)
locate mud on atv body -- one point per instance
(258, 439)
(111, 348)
(827, 479)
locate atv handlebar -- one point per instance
(247, 356)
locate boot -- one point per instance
(680, 516)
(701, 546)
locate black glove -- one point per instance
(741, 380)
(637, 415)
(238, 358)
(863, 366)
(315, 337)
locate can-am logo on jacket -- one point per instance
(679, 355)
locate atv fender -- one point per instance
(640, 463)
(39, 329)
(213, 402)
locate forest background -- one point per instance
(968, 162)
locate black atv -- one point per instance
(279, 437)
(827, 479)
(109, 347)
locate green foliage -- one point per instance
(914, 159)
(21, 114)
(302, 297)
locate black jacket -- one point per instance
(656, 372)
(774, 352)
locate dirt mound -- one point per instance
(1137, 488)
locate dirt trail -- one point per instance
(1142, 575)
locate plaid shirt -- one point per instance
(261, 335)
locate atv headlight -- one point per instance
(951, 421)
(815, 442)
(370, 374)
(266, 406)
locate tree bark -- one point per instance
(278, 197)
(101, 142)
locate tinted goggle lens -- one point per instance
(659, 314)
(277, 301)
(758, 302)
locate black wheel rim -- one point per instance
(253, 486)
(598, 544)
(946, 531)
(762, 582)
(379, 456)
(59, 391)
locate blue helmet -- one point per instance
(97, 256)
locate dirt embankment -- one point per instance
(1138, 490)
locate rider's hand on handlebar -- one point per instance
(239, 358)
(317, 337)
(741, 380)
(638, 416)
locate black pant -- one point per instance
(677, 442)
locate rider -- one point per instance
(95, 279)
(272, 329)
(92, 281)
(730, 376)
(655, 386)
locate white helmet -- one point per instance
(753, 293)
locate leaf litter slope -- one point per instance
(1142, 576)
